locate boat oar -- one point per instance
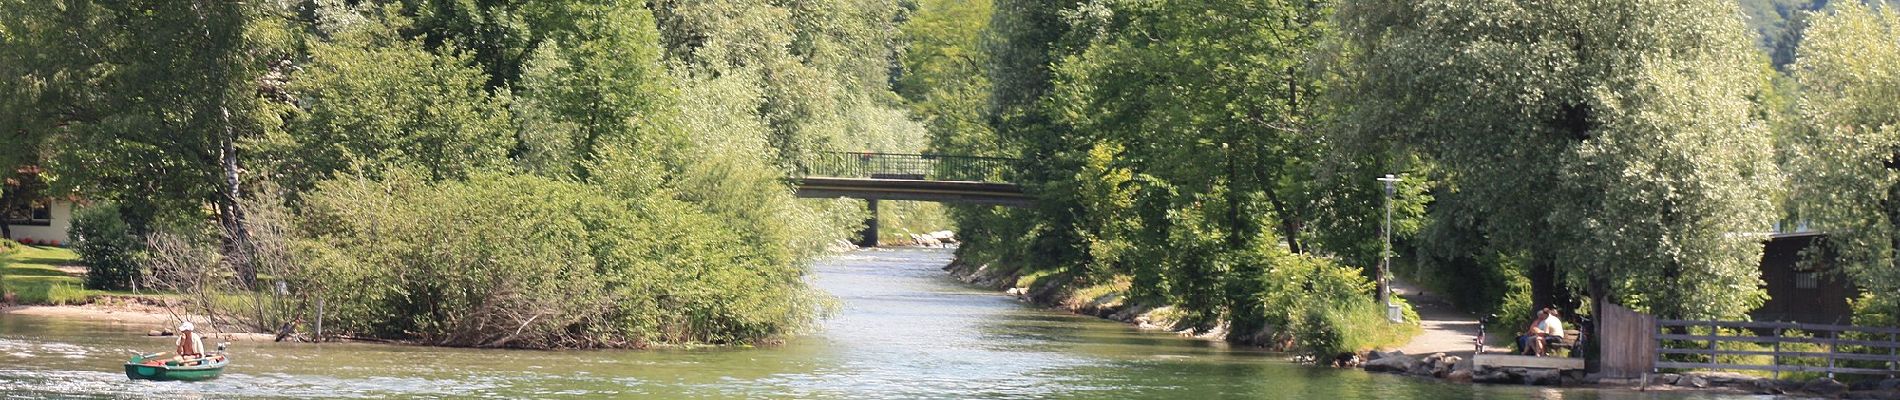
(143, 357)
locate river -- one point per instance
(905, 330)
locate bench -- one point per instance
(1572, 338)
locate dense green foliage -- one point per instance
(572, 267)
(1845, 154)
(106, 244)
(611, 173)
(1616, 149)
(627, 157)
(1176, 145)
(1613, 141)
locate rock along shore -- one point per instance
(1458, 369)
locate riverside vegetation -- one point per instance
(610, 174)
(545, 174)
(1218, 157)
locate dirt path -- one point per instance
(1446, 329)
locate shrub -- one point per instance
(1328, 308)
(106, 245)
(523, 261)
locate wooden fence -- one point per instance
(1626, 344)
(1864, 345)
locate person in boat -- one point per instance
(190, 345)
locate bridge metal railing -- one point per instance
(935, 167)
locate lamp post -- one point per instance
(1385, 262)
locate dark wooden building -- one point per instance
(1815, 293)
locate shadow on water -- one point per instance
(905, 331)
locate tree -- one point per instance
(18, 191)
(1214, 99)
(161, 95)
(368, 100)
(1611, 141)
(1846, 161)
(825, 66)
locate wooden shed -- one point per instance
(1816, 293)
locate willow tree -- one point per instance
(1846, 162)
(1611, 140)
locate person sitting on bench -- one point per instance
(1545, 327)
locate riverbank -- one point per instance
(1106, 302)
(138, 313)
(1457, 369)
(1445, 349)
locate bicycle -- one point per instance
(1482, 332)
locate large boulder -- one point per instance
(1459, 376)
(946, 237)
(1426, 366)
(1376, 354)
(1445, 365)
(1495, 375)
(1395, 364)
(1664, 379)
(1825, 387)
(1888, 384)
(1543, 377)
(1765, 386)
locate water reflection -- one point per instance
(905, 331)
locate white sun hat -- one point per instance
(184, 326)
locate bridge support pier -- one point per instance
(868, 237)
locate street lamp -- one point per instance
(1385, 263)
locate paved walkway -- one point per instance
(1446, 329)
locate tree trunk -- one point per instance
(230, 211)
(238, 236)
(1289, 228)
(1543, 277)
(1592, 355)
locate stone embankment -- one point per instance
(1051, 294)
(1458, 369)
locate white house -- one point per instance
(46, 221)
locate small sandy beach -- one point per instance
(142, 316)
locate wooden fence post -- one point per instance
(1777, 357)
(1715, 333)
(1833, 344)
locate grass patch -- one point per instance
(1029, 280)
(1113, 293)
(1764, 360)
(31, 275)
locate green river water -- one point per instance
(905, 330)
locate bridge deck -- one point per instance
(1007, 194)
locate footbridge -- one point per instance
(915, 177)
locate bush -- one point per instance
(106, 245)
(523, 261)
(1328, 308)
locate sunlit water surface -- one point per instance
(905, 330)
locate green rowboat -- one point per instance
(147, 367)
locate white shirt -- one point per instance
(1551, 326)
